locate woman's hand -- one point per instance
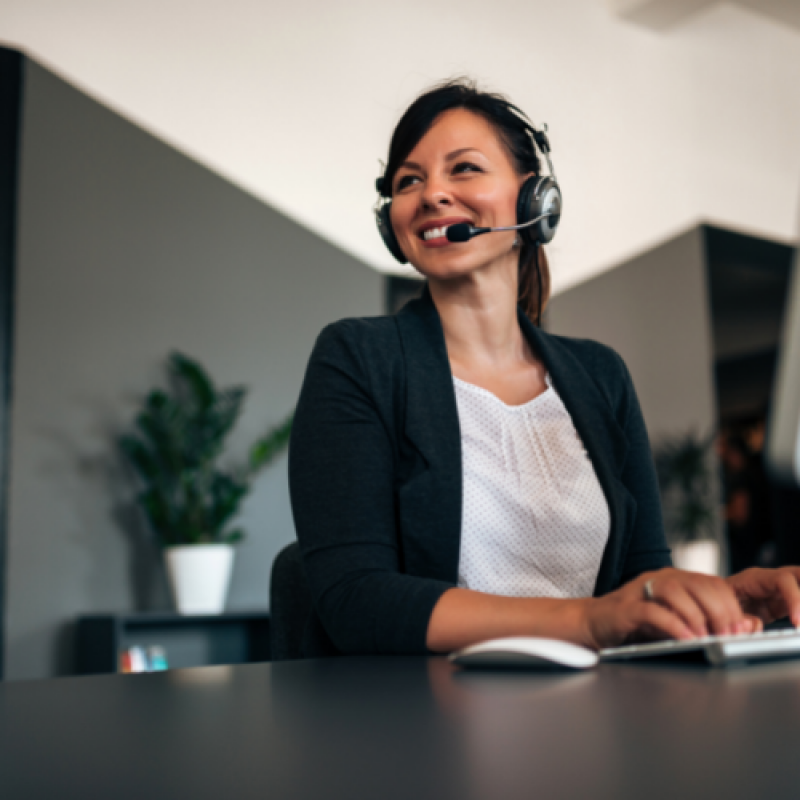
(682, 605)
(768, 594)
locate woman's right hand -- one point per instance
(682, 605)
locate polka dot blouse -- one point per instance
(535, 519)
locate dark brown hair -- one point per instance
(515, 132)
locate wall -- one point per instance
(126, 250)
(655, 311)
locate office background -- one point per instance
(200, 177)
(127, 249)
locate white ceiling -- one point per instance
(295, 102)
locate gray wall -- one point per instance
(655, 312)
(126, 250)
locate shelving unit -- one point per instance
(189, 641)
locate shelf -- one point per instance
(189, 641)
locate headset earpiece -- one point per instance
(386, 231)
(539, 196)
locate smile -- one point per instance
(435, 233)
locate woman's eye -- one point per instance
(466, 166)
(405, 181)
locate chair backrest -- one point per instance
(290, 604)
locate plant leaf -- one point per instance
(226, 495)
(194, 378)
(141, 458)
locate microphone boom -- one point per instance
(463, 231)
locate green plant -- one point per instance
(187, 496)
(685, 481)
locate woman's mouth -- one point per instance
(434, 234)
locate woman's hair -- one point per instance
(514, 131)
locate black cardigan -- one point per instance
(376, 480)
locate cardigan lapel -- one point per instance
(604, 439)
(430, 499)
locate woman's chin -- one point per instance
(444, 272)
(458, 267)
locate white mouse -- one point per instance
(525, 652)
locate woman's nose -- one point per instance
(436, 194)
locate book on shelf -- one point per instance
(143, 659)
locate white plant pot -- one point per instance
(199, 575)
(702, 556)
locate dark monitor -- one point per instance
(783, 440)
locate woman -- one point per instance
(459, 475)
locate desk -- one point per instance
(411, 728)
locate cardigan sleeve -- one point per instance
(647, 548)
(341, 478)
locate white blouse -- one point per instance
(535, 520)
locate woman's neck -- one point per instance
(479, 319)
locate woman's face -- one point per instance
(459, 171)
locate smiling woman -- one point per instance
(459, 172)
(483, 136)
(459, 475)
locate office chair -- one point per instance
(290, 604)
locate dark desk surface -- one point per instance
(385, 728)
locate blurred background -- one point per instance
(200, 176)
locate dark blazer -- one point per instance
(375, 473)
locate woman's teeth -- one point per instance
(434, 233)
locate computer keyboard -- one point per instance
(717, 650)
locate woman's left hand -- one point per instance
(768, 594)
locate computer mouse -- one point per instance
(525, 652)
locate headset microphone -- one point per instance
(463, 231)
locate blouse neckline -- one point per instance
(494, 398)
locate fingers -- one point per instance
(706, 604)
(678, 605)
(719, 605)
(672, 595)
(659, 622)
(624, 614)
(753, 624)
(769, 593)
(789, 591)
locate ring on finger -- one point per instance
(648, 590)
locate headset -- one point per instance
(538, 208)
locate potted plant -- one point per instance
(190, 500)
(684, 470)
